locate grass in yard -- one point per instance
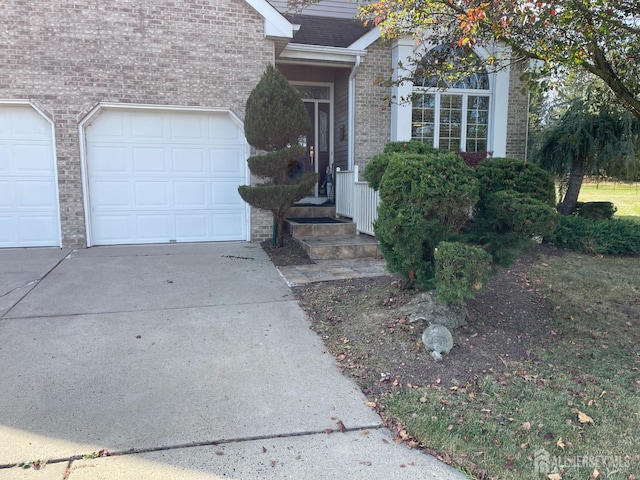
(625, 196)
(572, 409)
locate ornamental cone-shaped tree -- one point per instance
(275, 118)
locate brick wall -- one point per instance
(517, 116)
(372, 114)
(68, 56)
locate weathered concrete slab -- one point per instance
(353, 455)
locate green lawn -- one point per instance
(625, 196)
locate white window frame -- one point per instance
(465, 94)
(406, 49)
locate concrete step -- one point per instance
(318, 227)
(336, 247)
(310, 210)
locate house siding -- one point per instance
(324, 8)
(66, 57)
(372, 113)
(517, 115)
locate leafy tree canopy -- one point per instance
(601, 37)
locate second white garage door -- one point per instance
(157, 176)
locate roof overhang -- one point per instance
(367, 39)
(319, 55)
(276, 26)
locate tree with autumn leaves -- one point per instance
(601, 37)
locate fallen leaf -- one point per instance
(526, 426)
(273, 464)
(560, 443)
(423, 399)
(341, 426)
(554, 476)
(594, 475)
(371, 404)
(584, 418)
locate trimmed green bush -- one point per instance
(498, 174)
(374, 170)
(424, 199)
(511, 211)
(461, 271)
(605, 237)
(419, 148)
(275, 117)
(596, 210)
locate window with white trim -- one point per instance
(451, 114)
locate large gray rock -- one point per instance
(437, 340)
(426, 308)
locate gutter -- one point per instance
(352, 114)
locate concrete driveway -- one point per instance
(182, 361)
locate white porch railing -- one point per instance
(356, 200)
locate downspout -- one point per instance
(352, 116)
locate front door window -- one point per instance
(317, 100)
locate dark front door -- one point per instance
(319, 142)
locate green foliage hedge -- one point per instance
(605, 237)
(499, 174)
(595, 210)
(511, 211)
(461, 271)
(424, 199)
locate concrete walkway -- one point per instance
(183, 362)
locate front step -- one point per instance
(338, 247)
(318, 227)
(325, 237)
(308, 210)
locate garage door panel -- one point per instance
(227, 162)
(109, 159)
(25, 123)
(227, 226)
(34, 194)
(152, 194)
(33, 159)
(148, 160)
(190, 194)
(28, 190)
(154, 228)
(187, 127)
(192, 227)
(225, 194)
(7, 194)
(220, 128)
(147, 126)
(181, 184)
(188, 160)
(113, 229)
(32, 227)
(110, 194)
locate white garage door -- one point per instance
(28, 194)
(165, 176)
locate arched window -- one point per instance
(451, 113)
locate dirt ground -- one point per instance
(361, 323)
